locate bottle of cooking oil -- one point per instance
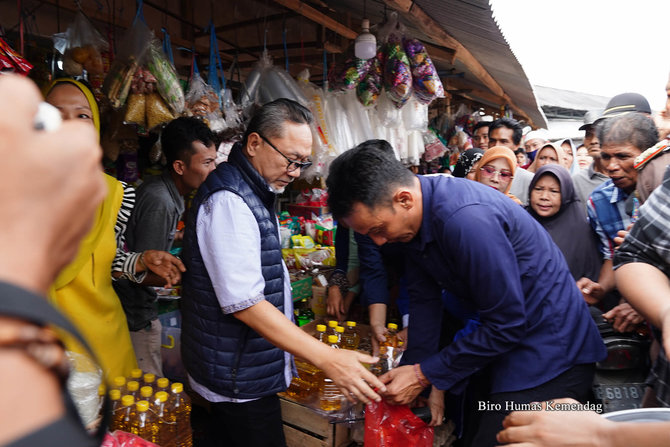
(163, 384)
(299, 389)
(331, 397)
(121, 417)
(144, 423)
(167, 421)
(115, 407)
(332, 324)
(133, 388)
(135, 374)
(182, 411)
(149, 379)
(321, 333)
(351, 339)
(391, 338)
(339, 331)
(119, 383)
(145, 393)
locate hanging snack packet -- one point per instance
(397, 73)
(167, 81)
(11, 60)
(157, 111)
(350, 75)
(371, 85)
(81, 46)
(425, 80)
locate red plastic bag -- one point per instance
(389, 425)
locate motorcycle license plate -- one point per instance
(619, 397)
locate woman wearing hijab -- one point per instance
(570, 154)
(83, 289)
(496, 169)
(548, 153)
(553, 202)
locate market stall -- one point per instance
(410, 75)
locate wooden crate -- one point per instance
(303, 427)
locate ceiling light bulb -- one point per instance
(366, 43)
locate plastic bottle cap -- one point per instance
(339, 329)
(161, 396)
(351, 323)
(321, 328)
(101, 389)
(177, 387)
(127, 400)
(332, 339)
(304, 300)
(392, 326)
(115, 394)
(119, 381)
(146, 391)
(136, 373)
(163, 382)
(332, 323)
(133, 385)
(142, 405)
(149, 378)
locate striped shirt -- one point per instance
(125, 261)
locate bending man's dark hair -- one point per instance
(269, 120)
(632, 128)
(509, 123)
(366, 174)
(178, 136)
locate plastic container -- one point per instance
(133, 388)
(330, 398)
(167, 420)
(321, 333)
(351, 339)
(144, 423)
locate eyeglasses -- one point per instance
(489, 171)
(293, 165)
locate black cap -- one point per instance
(625, 103)
(590, 117)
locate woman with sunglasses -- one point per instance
(496, 169)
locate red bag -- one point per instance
(389, 425)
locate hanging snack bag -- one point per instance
(371, 85)
(425, 80)
(131, 54)
(81, 46)
(397, 73)
(350, 75)
(167, 81)
(157, 111)
(11, 60)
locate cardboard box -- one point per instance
(319, 301)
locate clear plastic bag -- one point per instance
(82, 384)
(359, 121)
(167, 81)
(426, 82)
(131, 55)
(396, 70)
(81, 45)
(415, 115)
(337, 123)
(388, 113)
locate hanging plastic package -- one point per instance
(415, 115)
(433, 146)
(415, 147)
(425, 80)
(349, 75)
(401, 146)
(337, 123)
(359, 122)
(397, 73)
(202, 101)
(81, 45)
(388, 113)
(131, 55)
(158, 113)
(167, 81)
(11, 60)
(370, 87)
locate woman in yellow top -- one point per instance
(83, 290)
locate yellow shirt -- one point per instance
(83, 291)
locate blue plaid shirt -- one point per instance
(606, 208)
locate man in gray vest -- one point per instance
(237, 305)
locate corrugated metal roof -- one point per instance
(471, 22)
(567, 99)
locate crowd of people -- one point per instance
(498, 268)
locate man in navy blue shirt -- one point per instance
(537, 340)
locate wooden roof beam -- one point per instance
(312, 14)
(452, 84)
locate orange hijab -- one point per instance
(494, 153)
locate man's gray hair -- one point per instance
(269, 120)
